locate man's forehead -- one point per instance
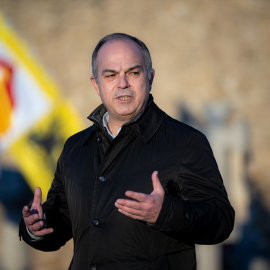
(119, 47)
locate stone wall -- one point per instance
(203, 52)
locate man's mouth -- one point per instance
(124, 97)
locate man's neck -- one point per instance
(114, 124)
(113, 127)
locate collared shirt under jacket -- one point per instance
(95, 170)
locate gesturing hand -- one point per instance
(33, 218)
(147, 206)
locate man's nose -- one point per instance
(123, 81)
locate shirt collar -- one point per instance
(144, 125)
(105, 121)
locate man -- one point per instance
(137, 189)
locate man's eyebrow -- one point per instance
(134, 67)
(109, 71)
(115, 71)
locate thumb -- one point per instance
(156, 183)
(37, 197)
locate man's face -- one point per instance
(123, 84)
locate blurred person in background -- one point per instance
(137, 189)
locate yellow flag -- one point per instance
(35, 120)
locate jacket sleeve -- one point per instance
(57, 216)
(198, 211)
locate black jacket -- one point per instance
(93, 171)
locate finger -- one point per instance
(155, 180)
(37, 225)
(140, 197)
(25, 211)
(30, 216)
(32, 219)
(156, 183)
(134, 216)
(42, 232)
(130, 211)
(37, 197)
(128, 203)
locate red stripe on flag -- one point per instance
(7, 82)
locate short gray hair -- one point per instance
(122, 36)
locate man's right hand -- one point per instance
(34, 217)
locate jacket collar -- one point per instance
(144, 125)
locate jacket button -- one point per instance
(95, 222)
(93, 267)
(98, 139)
(102, 179)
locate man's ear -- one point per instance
(95, 84)
(152, 78)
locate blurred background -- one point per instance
(212, 63)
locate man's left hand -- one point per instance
(147, 206)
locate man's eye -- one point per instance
(135, 73)
(110, 75)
